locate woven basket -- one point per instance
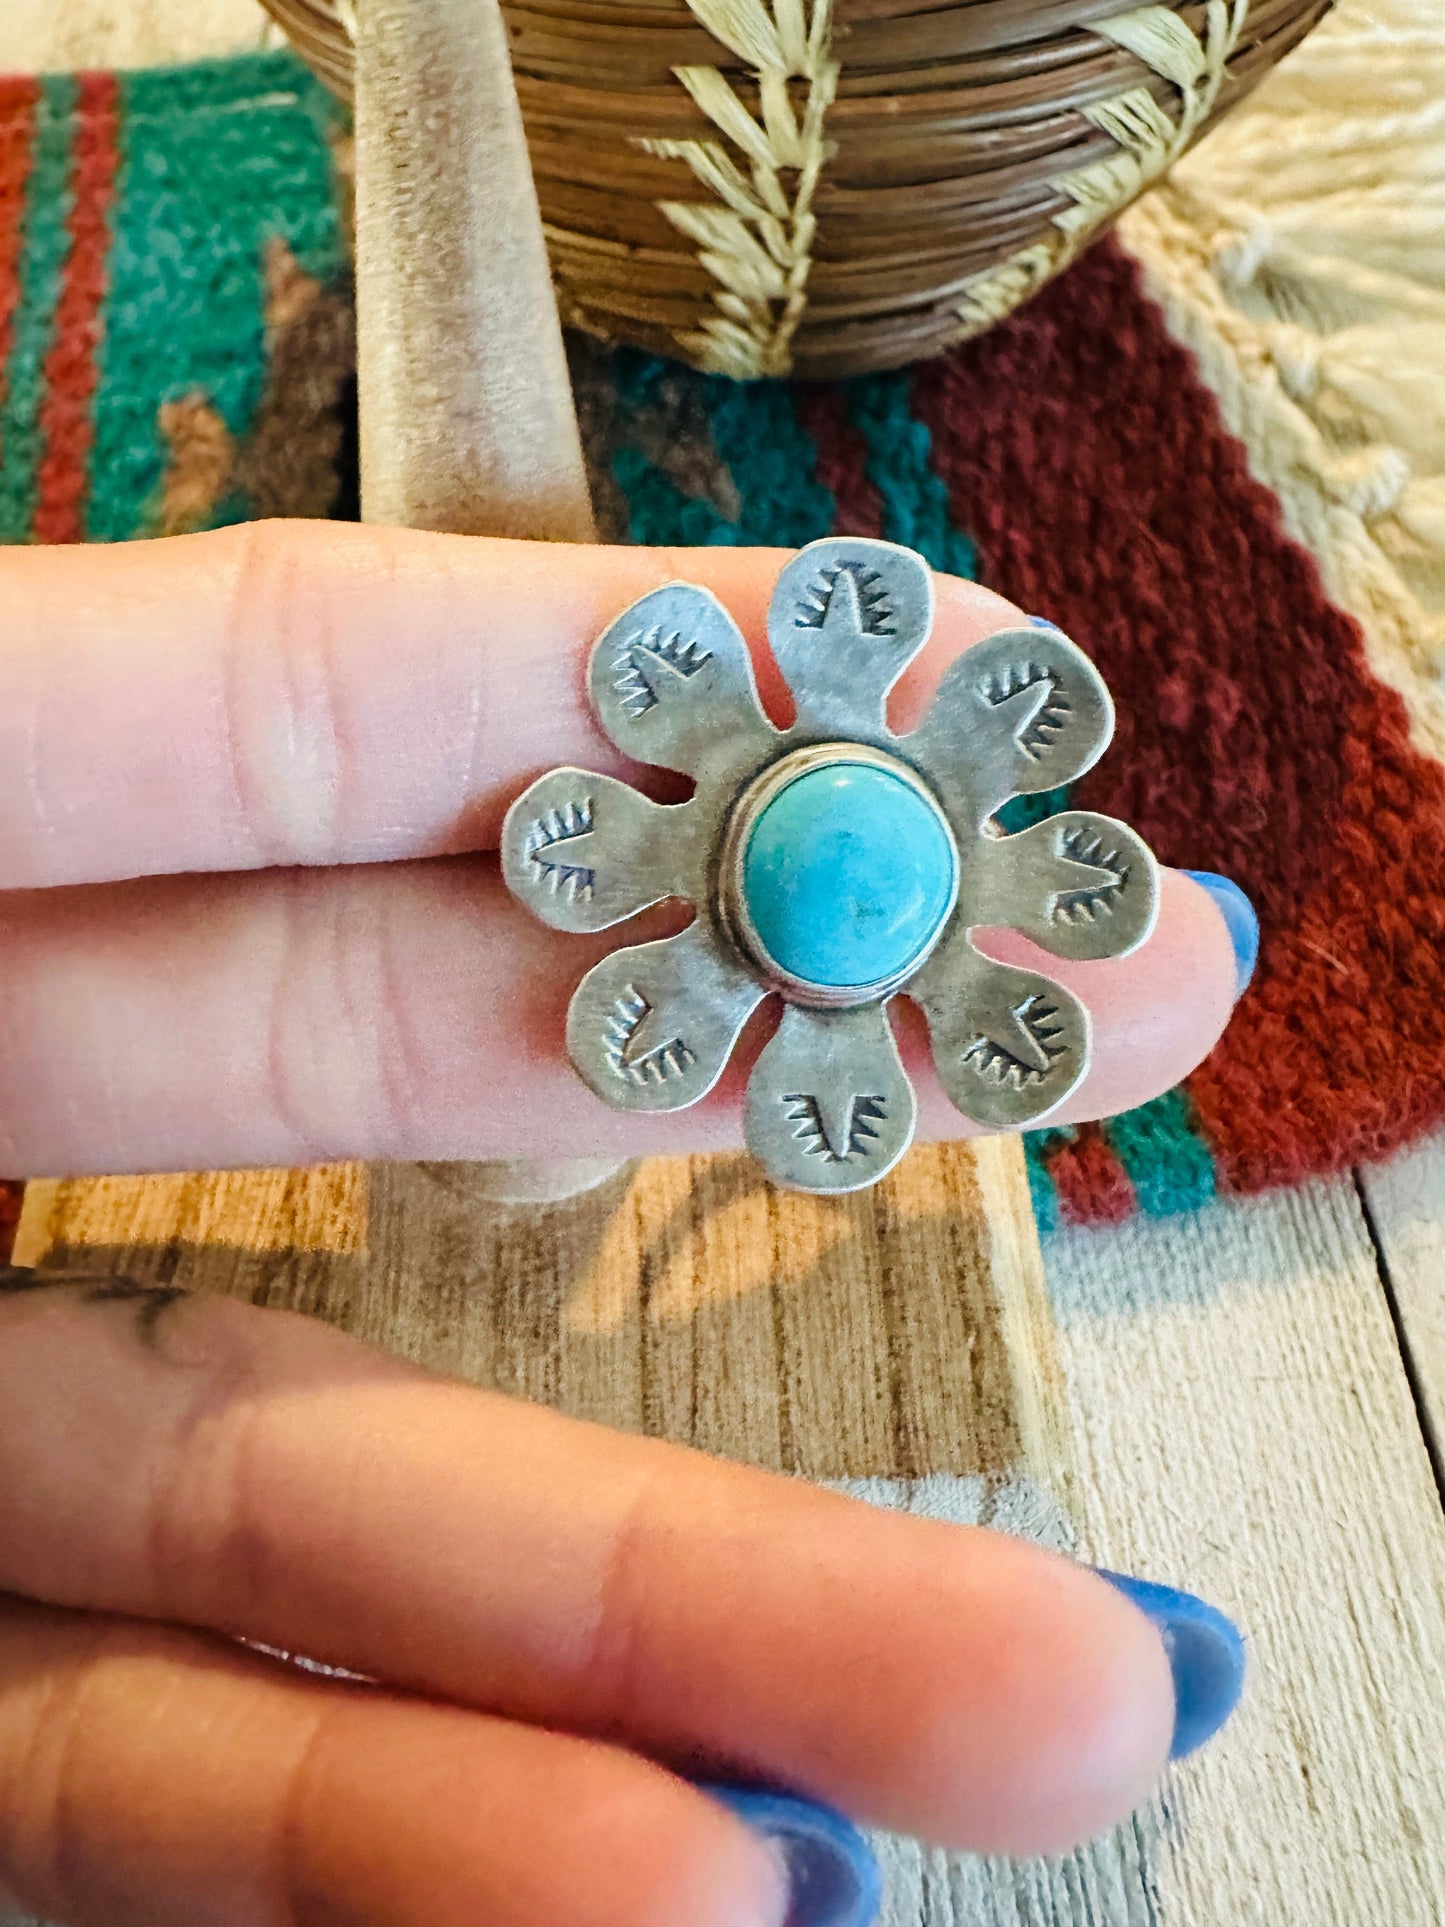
(824, 187)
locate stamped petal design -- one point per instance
(584, 851)
(847, 617)
(672, 683)
(1009, 1044)
(1024, 711)
(1080, 885)
(651, 1027)
(829, 1106)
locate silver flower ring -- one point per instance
(833, 864)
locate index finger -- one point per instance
(260, 1475)
(319, 693)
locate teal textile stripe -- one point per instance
(1042, 1189)
(218, 160)
(774, 463)
(1161, 1148)
(755, 435)
(45, 244)
(660, 514)
(900, 466)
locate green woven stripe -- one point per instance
(900, 467)
(754, 433)
(773, 462)
(1045, 1193)
(658, 513)
(217, 159)
(45, 245)
(1161, 1148)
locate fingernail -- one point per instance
(1238, 914)
(1206, 1656)
(833, 1878)
(1042, 622)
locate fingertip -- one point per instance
(1157, 1013)
(1093, 1704)
(1206, 1656)
(1241, 920)
(833, 1878)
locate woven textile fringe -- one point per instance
(1302, 260)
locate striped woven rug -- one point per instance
(176, 353)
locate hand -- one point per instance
(264, 761)
(260, 764)
(564, 1622)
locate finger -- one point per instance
(261, 1474)
(320, 693)
(153, 1776)
(417, 1011)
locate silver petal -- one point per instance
(1021, 712)
(1080, 885)
(672, 684)
(829, 1106)
(1009, 1044)
(651, 1027)
(847, 617)
(584, 851)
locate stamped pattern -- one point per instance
(828, 1091)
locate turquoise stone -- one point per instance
(847, 875)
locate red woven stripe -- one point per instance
(70, 367)
(1092, 1184)
(18, 95)
(1105, 492)
(842, 456)
(12, 1197)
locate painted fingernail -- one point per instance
(1206, 1656)
(1238, 913)
(1042, 622)
(833, 1878)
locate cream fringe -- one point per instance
(1300, 254)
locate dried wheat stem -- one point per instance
(755, 236)
(1149, 143)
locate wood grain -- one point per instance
(323, 1209)
(1237, 1411)
(892, 1333)
(1243, 1427)
(1405, 1200)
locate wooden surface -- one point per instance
(1405, 1204)
(892, 1333)
(1241, 1418)
(1239, 1415)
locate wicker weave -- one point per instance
(830, 186)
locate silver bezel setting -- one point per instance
(731, 897)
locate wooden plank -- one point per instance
(1243, 1426)
(324, 1209)
(891, 1333)
(1405, 1200)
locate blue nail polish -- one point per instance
(1238, 913)
(1206, 1655)
(1042, 622)
(833, 1878)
